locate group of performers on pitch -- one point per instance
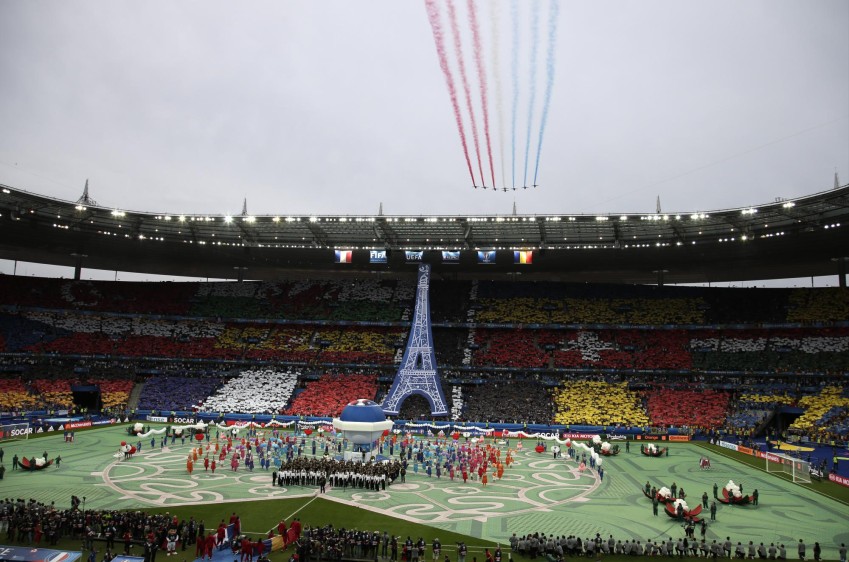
(286, 456)
(319, 471)
(456, 459)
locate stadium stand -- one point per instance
(332, 392)
(598, 403)
(258, 391)
(184, 340)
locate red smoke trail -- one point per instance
(458, 46)
(476, 38)
(436, 26)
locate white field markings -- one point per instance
(538, 474)
(492, 504)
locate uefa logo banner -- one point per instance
(487, 257)
(413, 257)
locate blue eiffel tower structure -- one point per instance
(417, 373)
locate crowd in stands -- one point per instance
(361, 345)
(807, 349)
(829, 304)
(598, 403)
(257, 391)
(14, 396)
(54, 393)
(176, 392)
(508, 401)
(682, 406)
(389, 300)
(332, 392)
(826, 415)
(160, 328)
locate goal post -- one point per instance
(798, 470)
(13, 431)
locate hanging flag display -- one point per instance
(344, 256)
(523, 257)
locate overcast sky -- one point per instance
(334, 107)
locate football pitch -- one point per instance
(536, 494)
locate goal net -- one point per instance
(11, 431)
(798, 470)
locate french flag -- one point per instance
(344, 256)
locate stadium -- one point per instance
(509, 281)
(528, 358)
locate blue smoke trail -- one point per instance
(514, 68)
(533, 90)
(554, 11)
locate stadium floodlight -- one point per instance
(228, 219)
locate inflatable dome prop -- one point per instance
(362, 422)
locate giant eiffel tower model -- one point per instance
(417, 373)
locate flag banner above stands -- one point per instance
(344, 256)
(450, 257)
(413, 257)
(487, 257)
(523, 257)
(377, 256)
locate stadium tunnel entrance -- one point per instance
(87, 396)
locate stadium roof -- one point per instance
(800, 237)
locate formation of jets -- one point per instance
(505, 189)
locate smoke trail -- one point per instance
(438, 39)
(514, 71)
(496, 72)
(458, 46)
(533, 89)
(476, 42)
(554, 11)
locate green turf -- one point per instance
(536, 494)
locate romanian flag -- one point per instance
(523, 257)
(344, 256)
